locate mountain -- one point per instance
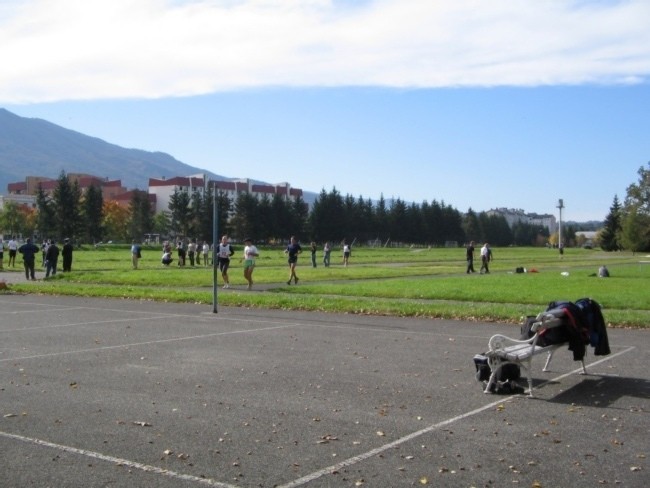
(35, 147)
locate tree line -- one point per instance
(86, 217)
(627, 225)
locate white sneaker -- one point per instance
(226, 285)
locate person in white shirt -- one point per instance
(12, 245)
(206, 254)
(486, 257)
(250, 253)
(224, 251)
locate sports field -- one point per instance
(411, 282)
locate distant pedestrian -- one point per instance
(206, 253)
(2, 253)
(293, 249)
(51, 259)
(12, 245)
(191, 251)
(44, 246)
(327, 250)
(486, 257)
(250, 253)
(136, 254)
(180, 249)
(313, 254)
(469, 252)
(29, 251)
(347, 252)
(224, 252)
(66, 254)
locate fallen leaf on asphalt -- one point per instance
(380, 433)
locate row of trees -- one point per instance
(627, 226)
(86, 217)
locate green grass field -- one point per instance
(401, 282)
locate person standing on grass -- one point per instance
(206, 253)
(136, 254)
(293, 249)
(347, 251)
(327, 250)
(180, 249)
(12, 245)
(29, 251)
(486, 257)
(191, 251)
(250, 253)
(469, 251)
(224, 251)
(66, 253)
(51, 259)
(313, 254)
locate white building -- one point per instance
(163, 189)
(513, 216)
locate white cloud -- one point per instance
(76, 49)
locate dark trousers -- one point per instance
(50, 268)
(29, 268)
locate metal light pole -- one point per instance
(559, 227)
(214, 247)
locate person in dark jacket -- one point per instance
(51, 259)
(29, 251)
(66, 254)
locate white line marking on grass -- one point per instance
(147, 343)
(119, 461)
(366, 455)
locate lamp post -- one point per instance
(560, 246)
(214, 247)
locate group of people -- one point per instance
(486, 257)
(49, 251)
(192, 252)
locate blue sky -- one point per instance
(485, 104)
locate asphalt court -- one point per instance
(125, 393)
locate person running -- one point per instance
(224, 251)
(250, 253)
(293, 249)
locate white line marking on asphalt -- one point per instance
(147, 343)
(366, 455)
(119, 461)
(59, 326)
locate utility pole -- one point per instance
(215, 234)
(560, 245)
